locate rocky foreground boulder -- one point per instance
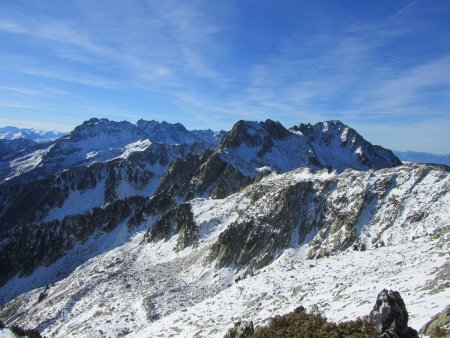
(389, 316)
(241, 329)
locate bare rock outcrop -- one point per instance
(241, 329)
(389, 316)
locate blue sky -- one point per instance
(382, 66)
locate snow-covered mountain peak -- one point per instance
(95, 140)
(331, 144)
(101, 128)
(176, 133)
(250, 146)
(340, 146)
(326, 132)
(168, 133)
(100, 140)
(209, 136)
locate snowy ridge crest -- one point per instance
(267, 238)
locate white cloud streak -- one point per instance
(178, 49)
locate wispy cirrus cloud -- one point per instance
(409, 87)
(77, 77)
(208, 64)
(172, 49)
(57, 32)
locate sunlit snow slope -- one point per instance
(298, 238)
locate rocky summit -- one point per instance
(153, 230)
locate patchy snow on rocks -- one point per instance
(151, 289)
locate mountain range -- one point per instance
(149, 229)
(176, 133)
(421, 157)
(36, 135)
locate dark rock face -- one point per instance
(255, 135)
(179, 220)
(31, 202)
(241, 329)
(228, 182)
(251, 242)
(321, 212)
(177, 180)
(275, 129)
(389, 316)
(217, 179)
(199, 175)
(208, 173)
(176, 184)
(33, 245)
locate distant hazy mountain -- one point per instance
(40, 136)
(418, 157)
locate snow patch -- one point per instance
(78, 202)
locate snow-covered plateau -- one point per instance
(301, 237)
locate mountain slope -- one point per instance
(157, 282)
(80, 201)
(13, 149)
(9, 148)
